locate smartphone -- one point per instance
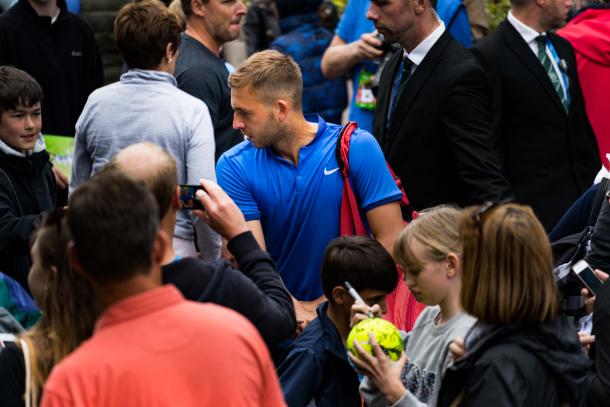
(188, 199)
(587, 276)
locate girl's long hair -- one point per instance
(507, 266)
(67, 303)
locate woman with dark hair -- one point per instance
(68, 315)
(520, 352)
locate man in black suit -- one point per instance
(547, 147)
(433, 110)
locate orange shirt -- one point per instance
(157, 349)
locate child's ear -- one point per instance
(340, 295)
(453, 265)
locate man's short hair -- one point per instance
(142, 31)
(520, 3)
(360, 260)
(159, 175)
(270, 75)
(17, 88)
(114, 222)
(187, 9)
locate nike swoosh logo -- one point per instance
(326, 172)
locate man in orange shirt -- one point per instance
(150, 346)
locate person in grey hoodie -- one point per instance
(429, 252)
(146, 105)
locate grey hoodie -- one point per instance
(147, 106)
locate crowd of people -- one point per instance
(205, 247)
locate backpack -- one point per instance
(570, 249)
(17, 302)
(305, 39)
(403, 309)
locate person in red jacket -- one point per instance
(589, 34)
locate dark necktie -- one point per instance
(398, 87)
(550, 70)
(406, 71)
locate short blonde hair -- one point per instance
(436, 230)
(507, 267)
(271, 75)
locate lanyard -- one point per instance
(561, 65)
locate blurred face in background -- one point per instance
(392, 18)
(223, 18)
(555, 13)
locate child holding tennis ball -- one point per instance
(429, 251)
(315, 369)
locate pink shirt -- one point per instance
(157, 349)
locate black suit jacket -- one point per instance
(548, 155)
(440, 140)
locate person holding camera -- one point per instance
(356, 50)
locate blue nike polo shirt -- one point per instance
(299, 206)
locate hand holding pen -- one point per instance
(360, 310)
(357, 298)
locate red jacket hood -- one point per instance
(589, 34)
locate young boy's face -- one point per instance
(372, 297)
(19, 128)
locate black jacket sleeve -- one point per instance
(599, 256)
(258, 292)
(12, 376)
(488, 384)
(466, 118)
(15, 230)
(600, 386)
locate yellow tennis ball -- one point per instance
(386, 335)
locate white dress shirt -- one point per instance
(419, 53)
(529, 35)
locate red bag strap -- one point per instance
(342, 155)
(342, 149)
(403, 309)
(351, 222)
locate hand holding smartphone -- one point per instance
(587, 276)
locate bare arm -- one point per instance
(386, 223)
(340, 57)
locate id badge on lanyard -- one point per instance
(365, 98)
(563, 70)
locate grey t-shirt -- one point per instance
(428, 352)
(202, 74)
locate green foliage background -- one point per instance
(496, 11)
